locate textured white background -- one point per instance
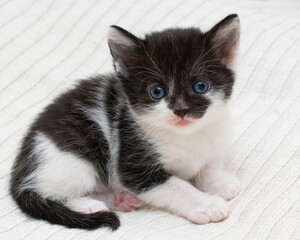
(46, 45)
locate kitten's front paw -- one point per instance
(221, 183)
(214, 209)
(228, 189)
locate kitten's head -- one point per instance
(177, 77)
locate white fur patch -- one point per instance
(186, 150)
(59, 175)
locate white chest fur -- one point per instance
(185, 155)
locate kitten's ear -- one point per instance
(124, 47)
(224, 38)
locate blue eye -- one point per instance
(157, 92)
(200, 87)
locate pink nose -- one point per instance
(181, 112)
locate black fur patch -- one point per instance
(139, 167)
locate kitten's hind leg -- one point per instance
(127, 201)
(59, 174)
(120, 200)
(63, 176)
(56, 189)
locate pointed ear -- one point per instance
(124, 47)
(224, 38)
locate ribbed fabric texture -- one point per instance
(45, 46)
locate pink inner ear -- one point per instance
(225, 35)
(230, 55)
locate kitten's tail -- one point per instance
(55, 212)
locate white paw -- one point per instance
(214, 209)
(227, 191)
(86, 205)
(221, 183)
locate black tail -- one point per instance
(56, 213)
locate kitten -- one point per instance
(155, 132)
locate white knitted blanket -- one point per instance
(45, 45)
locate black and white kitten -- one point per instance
(155, 132)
